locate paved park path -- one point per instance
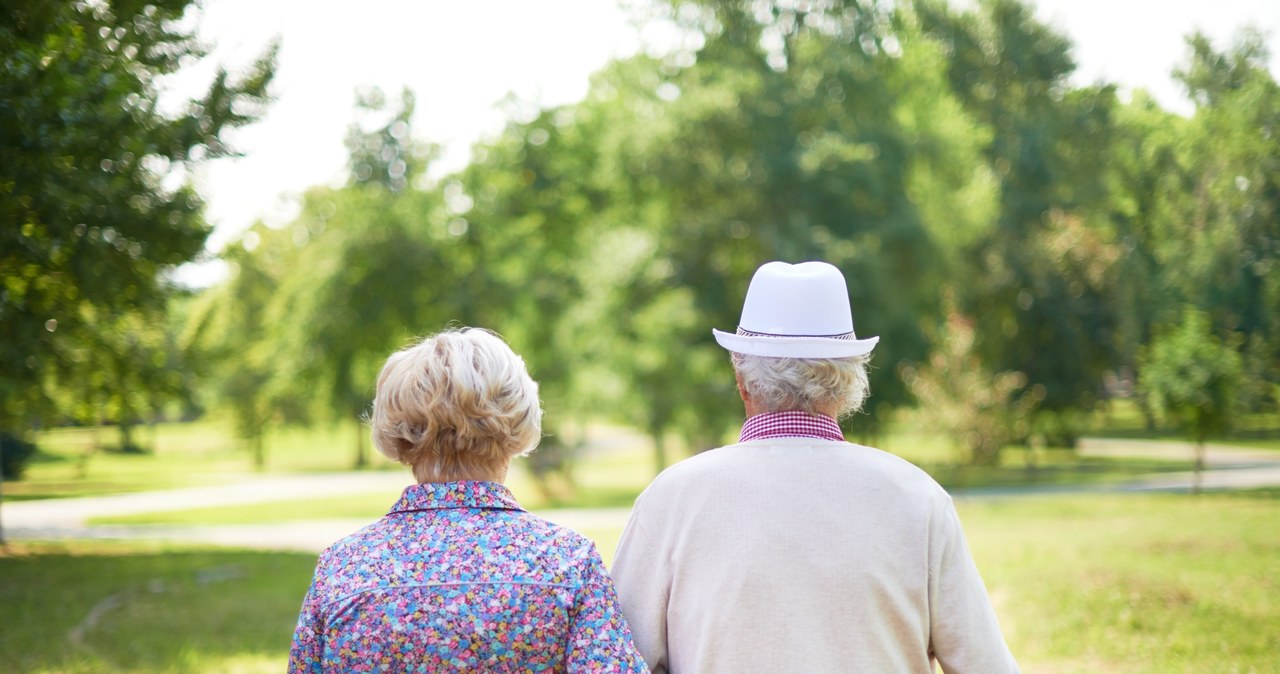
(1228, 468)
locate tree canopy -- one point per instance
(1018, 242)
(928, 152)
(96, 201)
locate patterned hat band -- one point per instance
(748, 333)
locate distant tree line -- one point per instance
(1022, 245)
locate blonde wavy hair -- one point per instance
(835, 385)
(457, 405)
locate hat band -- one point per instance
(749, 333)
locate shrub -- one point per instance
(14, 455)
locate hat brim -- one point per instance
(795, 347)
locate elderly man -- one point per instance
(793, 550)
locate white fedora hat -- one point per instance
(796, 311)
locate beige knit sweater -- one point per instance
(802, 555)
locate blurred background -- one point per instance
(218, 219)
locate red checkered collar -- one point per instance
(790, 424)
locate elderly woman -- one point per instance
(457, 576)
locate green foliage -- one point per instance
(1235, 198)
(224, 336)
(613, 468)
(982, 412)
(313, 309)
(95, 198)
(14, 455)
(793, 134)
(1039, 281)
(924, 150)
(1145, 143)
(1226, 246)
(385, 155)
(1189, 374)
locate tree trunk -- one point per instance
(259, 453)
(362, 458)
(1034, 444)
(1199, 467)
(126, 436)
(95, 442)
(659, 450)
(2, 541)
(1148, 414)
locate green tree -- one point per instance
(1221, 243)
(786, 132)
(95, 198)
(1194, 203)
(140, 368)
(1193, 377)
(538, 202)
(385, 154)
(1043, 307)
(229, 335)
(963, 399)
(373, 266)
(1143, 151)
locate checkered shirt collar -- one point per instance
(790, 424)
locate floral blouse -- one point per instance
(459, 578)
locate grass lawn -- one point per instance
(115, 607)
(1123, 419)
(1120, 584)
(1123, 584)
(72, 462)
(1129, 584)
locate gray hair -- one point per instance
(813, 385)
(456, 406)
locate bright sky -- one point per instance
(460, 58)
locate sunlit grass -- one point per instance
(72, 462)
(1125, 584)
(138, 607)
(1124, 419)
(79, 461)
(1087, 583)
